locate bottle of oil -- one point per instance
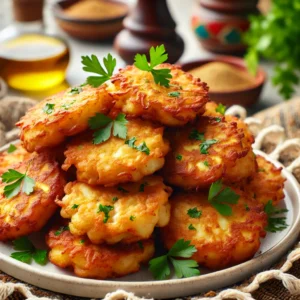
(30, 60)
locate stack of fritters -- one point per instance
(117, 190)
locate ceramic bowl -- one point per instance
(90, 30)
(244, 97)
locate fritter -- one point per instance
(7, 160)
(201, 153)
(65, 114)
(137, 95)
(96, 261)
(126, 213)
(220, 241)
(116, 161)
(24, 214)
(243, 167)
(266, 184)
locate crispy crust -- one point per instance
(40, 130)
(220, 241)
(122, 163)
(137, 95)
(25, 214)
(191, 172)
(96, 261)
(266, 184)
(148, 209)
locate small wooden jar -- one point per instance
(220, 24)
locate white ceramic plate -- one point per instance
(55, 279)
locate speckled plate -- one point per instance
(55, 279)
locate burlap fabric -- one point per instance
(288, 116)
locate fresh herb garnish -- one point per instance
(61, 230)
(140, 243)
(142, 147)
(142, 186)
(75, 90)
(179, 157)
(17, 180)
(157, 56)
(196, 135)
(220, 197)
(206, 163)
(122, 190)
(106, 124)
(194, 213)
(174, 94)
(105, 209)
(221, 109)
(247, 207)
(275, 223)
(114, 199)
(82, 241)
(191, 227)
(132, 218)
(217, 119)
(206, 145)
(48, 108)
(68, 105)
(28, 252)
(11, 148)
(92, 65)
(160, 266)
(74, 206)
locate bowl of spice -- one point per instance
(91, 20)
(228, 79)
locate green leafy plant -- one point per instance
(275, 222)
(275, 36)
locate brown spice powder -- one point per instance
(95, 10)
(223, 77)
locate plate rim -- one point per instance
(113, 285)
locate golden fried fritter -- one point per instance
(7, 160)
(202, 152)
(137, 95)
(114, 161)
(24, 214)
(126, 213)
(266, 184)
(220, 241)
(96, 261)
(65, 114)
(243, 167)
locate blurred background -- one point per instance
(194, 32)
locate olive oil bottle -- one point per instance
(30, 60)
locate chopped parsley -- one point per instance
(61, 230)
(275, 223)
(194, 213)
(247, 207)
(221, 109)
(217, 119)
(206, 163)
(122, 190)
(48, 108)
(82, 241)
(142, 147)
(220, 197)
(191, 227)
(132, 218)
(68, 105)
(206, 145)
(140, 243)
(74, 206)
(114, 199)
(179, 157)
(105, 209)
(174, 94)
(142, 186)
(75, 90)
(196, 135)
(12, 148)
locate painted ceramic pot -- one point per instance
(219, 25)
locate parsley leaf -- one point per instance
(28, 252)
(142, 147)
(103, 134)
(61, 230)
(191, 227)
(157, 56)
(174, 94)
(92, 65)
(140, 243)
(105, 209)
(179, 157)
(160, 268)
(205, 146)
(48, 108)
(132, 218)
(217, 119)
(121, 189)
(74, 206)
(196, 135)
(75, 90)
(221, 109)
(206, 163)
(114, 199)
(220, 198)
(194, 213)
(11, 148)
(275, 223)
(142, 187)
(17, 180)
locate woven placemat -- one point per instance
(283, 284)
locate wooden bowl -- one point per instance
(245, 97)
(90, 30)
